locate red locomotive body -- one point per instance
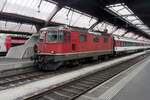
(62, 45)
(58, 45)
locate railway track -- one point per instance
(16, 77)
(74, 89)
(11, 81)
(31, 75)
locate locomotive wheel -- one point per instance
(50, 66)
(47, 66)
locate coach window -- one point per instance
(124, 44)
(127, 43)
(83, 38)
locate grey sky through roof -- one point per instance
(74, 18)
(122, 10)
(4, 25)
(42, 9)
(32, 8)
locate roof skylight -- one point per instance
(119, 32)
(73, 17)
(40, 9)
(105, 25)
(18, 27)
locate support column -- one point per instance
(125, 33)
(38, 27)
(91, 28)
(115, 30)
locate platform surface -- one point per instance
(132, 84)
(32, 88)
(12, 63)
(4, 60)
(138, 88)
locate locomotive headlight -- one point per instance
(38, 51)
(52, 52)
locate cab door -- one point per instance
(42, 42)
(74, 41)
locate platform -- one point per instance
(30, 89)
(12, 63)
(132, 84)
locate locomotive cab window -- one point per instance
(58, 36)
(52, 36)
(42, 36)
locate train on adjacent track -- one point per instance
(8, 41)
(61, 45)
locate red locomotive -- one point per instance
(60, 45)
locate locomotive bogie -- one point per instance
(56, 59)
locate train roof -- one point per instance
(64, 27)
(68, 28)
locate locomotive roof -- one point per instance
(63, 27)
(66, 28)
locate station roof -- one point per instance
(30, 15)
